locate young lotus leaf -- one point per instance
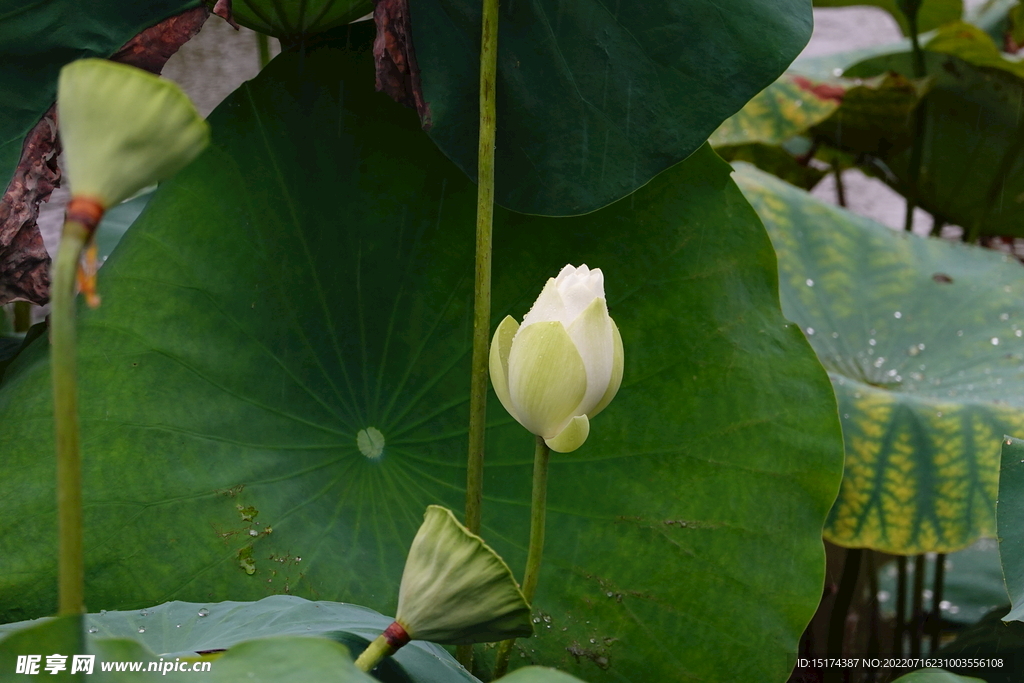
(924, 342)
(278, 298)
(123, 129)
(1010, 518)
(930, 13)
(456, 590)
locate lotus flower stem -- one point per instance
(71, 575)
(482, 281)
(385, 645)
(538, 518)
(917, 148)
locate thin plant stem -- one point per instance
(917, 617)
(917, 148)
(837, 171)
(538, 515)
(937, 225)
(71, 565)
(482, 279)
(874, 645)
(901, 605)
(841, 607)
(937, 590)
(263, 45)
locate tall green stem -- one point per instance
(538, 517)
(844, 598)
(263, 45)
(917, 618)
(71, 566)
(917, 148)
(482, 280)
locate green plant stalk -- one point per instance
(844, 598)
(937, 590)
(482, 279)
(917, 615)
(22, 316)
(538, 519)
(71, 565)
(901, 605)
(263, 44)
(917, 148)
(375, 653)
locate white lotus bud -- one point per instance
(563, 365)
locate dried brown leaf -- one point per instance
(398, 74)
(24, 263)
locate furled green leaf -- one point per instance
(1010, 518)
(931, 14)
(972, 170)
(935, 676)
(923, 341)
(595, 98)
(282, 296)
(181, 629)
(295, 20)
(33, 50)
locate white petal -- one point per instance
(547, 307)
(547, 379)
(593, 335)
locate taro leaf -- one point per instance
(219, 449)
(786, 108)
(595, 98)
(923, 341)
(293, 20)
(1010, 518)
(181, 629)
(33, 52)
(972, 172)
(935, 676)
(931, 15)
(973, 584)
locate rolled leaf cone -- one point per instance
(123, 129)
(456, 590)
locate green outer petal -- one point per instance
(547, 378)
(124, 129)
(616, 380)
(591, 334)
(456, 590)
(572, 437)
(501, 346)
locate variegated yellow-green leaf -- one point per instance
(787, 107)
(923, 341)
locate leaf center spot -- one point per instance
(370, 442)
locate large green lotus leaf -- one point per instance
(596, 98)
(38, 38)
(931, 15)
(291, 20)
(972, 172)
(923, 341)
(310, 277)
(990, 638)
(1010, 518)
(181, 629)
(538, 674)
